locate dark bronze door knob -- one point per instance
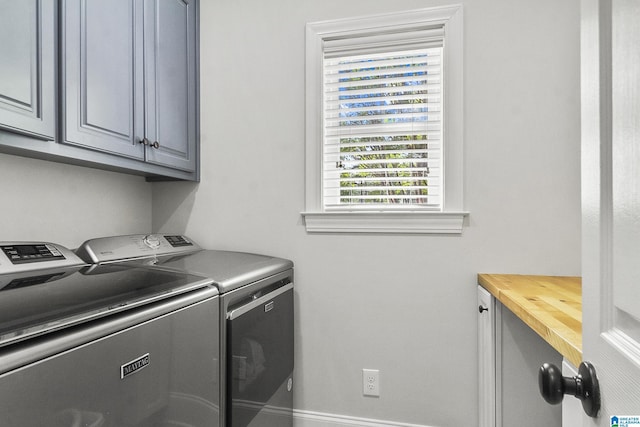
(584, 386)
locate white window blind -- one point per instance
(382, 144)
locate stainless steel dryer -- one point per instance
(256, 318)
(104, 346)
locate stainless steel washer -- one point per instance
(256, 318)
(110, 346)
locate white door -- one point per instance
(611, 203)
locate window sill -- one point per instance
(385, 222)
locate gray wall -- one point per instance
(66, 204)
(405, 305)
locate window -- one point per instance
(384, 123)
(382, 127)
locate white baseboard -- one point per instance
(320, 419)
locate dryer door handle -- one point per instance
(265, 299)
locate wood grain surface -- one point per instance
(550, 305)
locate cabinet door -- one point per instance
(102, 75)
(27, 67)
(487, 358)
(171, 73)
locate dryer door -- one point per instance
(260, 361)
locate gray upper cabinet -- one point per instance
(170, 82)
(110, 84)
(27, 67)
(102, 101)
(129, 79)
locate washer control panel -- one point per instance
(135, 246)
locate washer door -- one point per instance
(260, 361)
(158, 371)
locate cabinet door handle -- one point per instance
(155, 144)
(481, 309)
(584, 386)
(144, 141)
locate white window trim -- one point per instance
(451, 218)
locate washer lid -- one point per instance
(44, 301)
(229, 270)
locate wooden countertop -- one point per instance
(550, 305)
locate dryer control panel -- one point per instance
(18, 254)
(16, 257)
(135, 246)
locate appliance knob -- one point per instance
(584, 386)
(151, 241)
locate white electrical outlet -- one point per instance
(371, 382)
